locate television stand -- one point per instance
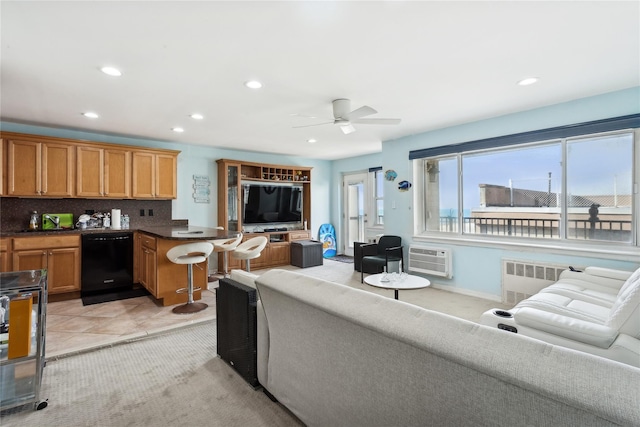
(234, 177)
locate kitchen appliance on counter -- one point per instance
(82, 221)
(107, 262)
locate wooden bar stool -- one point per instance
(189, 254)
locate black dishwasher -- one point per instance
(107, 262)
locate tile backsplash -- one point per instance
(15, 212)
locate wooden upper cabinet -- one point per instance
(166, 177)
(90, 172)
(103, 172)
(39, 168)
(144, 172)
(154, 175)
(117, 174)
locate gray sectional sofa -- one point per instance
(339, 356)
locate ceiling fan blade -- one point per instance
(377, 121)
(316, 124)
(360, 112)
(347, 129)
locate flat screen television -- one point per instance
(266, 203)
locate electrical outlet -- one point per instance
(150, 212)
(141, 212)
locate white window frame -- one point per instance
(605, 249)
(373, 197)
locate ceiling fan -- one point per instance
(345, 118)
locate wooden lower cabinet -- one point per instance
(162, 277)
(5, 264)
(59, 255)
(275, 254)
(147, 263)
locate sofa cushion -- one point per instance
(625, 313)
(566, 306)
(584, 291)
(568, 327)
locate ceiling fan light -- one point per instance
(347, 129)
(528, 81)
(253, 84)
(111, 71)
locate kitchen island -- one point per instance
(161, 277)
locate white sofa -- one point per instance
(596, 311)
(340, 356)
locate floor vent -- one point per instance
(436, 262)
(521, 279)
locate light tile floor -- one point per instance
(72, 327)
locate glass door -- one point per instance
(354, 214)
(232, 198)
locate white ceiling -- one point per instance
(432, 64)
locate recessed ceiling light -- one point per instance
(253, 84)
(111, 71)
(312, 141)
(197, 116)
(528, 81)
(177, 129)
(90, 115)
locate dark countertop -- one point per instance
(175, 232)
(188, 232)
(62, 232)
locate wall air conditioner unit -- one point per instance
(436, 262)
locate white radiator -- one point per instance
(521, 279)
(436, 262)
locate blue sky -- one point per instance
(593, 167)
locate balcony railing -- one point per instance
(611, 230)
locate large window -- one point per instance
(578, 188)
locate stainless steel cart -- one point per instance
(21, 368)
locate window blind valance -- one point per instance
(376, 169)
(586, 128)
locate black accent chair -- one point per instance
(375, 257)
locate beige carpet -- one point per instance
(176, 378)
(173, 379)
(456, 304)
